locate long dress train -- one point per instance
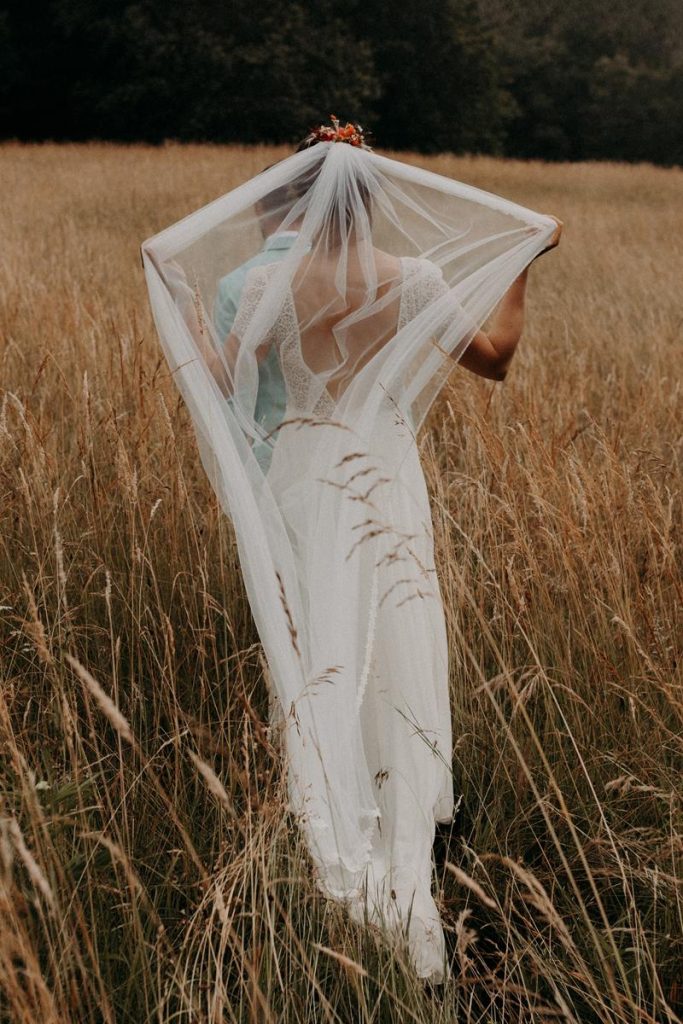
(403, 697)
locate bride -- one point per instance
(388, 274)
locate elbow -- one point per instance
(499, 370)
(222, 379)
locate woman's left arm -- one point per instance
(490, 352)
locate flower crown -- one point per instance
(351, 133)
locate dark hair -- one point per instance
(306, 143)
(280, 200)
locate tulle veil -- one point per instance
(309, 318)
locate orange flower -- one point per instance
(351, 133)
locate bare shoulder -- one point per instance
(386, 263)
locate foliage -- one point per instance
(540, 79)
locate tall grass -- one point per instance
(150, 869)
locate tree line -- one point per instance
(524, 78)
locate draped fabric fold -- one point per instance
(310, 318)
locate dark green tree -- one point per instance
(187, 69)
(542, 78)
(436, 66)
(586, 82)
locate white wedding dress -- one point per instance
(403, 697)
(388, 272)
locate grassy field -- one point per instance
(149, 868)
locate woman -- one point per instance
(390, 274)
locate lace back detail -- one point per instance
(422, 282)
(252, 292)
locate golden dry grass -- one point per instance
(148, 868)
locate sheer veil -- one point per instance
(310, 317)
